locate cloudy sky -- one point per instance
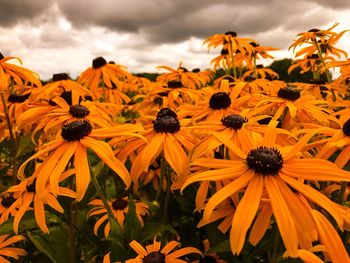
(53, 36)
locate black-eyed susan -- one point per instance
(167, 135)
(215, 104)
(105, 80)
(153, 253)
(276, 170)
(292, 104)
(231, 42)
(74, 140)
(184, 78)
(9, 206)
(316, 34)
(27, 194)
(8, 251)
(50, 119)
(235, 127)
(60, 83)
(172, 94)
(119, 207)
(11, 73)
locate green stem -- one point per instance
(329, 80)
(101, 194)
(342, 192)
(275, 247)
(322, 60)
(13, 138)
(72, 232)
(103, 92)
(255, 73)
(167, 195)
(232, 61)
(161, 177)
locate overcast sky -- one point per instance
(53, 36)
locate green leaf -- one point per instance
(27, 223)
(116, 235)
(25, 144)
(54, 244)
(150, 230)
(132, 225)
(223, 246)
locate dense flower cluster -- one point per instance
(255, 166)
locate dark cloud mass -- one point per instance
(13, 11)
(162, 21)
(64, 35)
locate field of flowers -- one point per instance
(115, 167)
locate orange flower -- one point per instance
(12, 252)
(154, 253)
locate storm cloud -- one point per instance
(65, 35)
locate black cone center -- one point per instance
(265, 160)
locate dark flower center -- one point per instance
(346, 128)
(196, 70)
(224, 52)
(31, 187)
(174, 84)
(98, 62)
(267, 120)
(317, 81)
(231, 33)
(233, 121)
(163, 94)
(14, 98)
(60, 76)
(1, 56)
(166, 112)
(207, 259)
(183, 69)
(88, 97)
(313, 56)
(67, 96)
(220, 100)
(265, 160)
(79, 111)
(288, 94)
(119, 204)
(154, 257)
(218, 155)
(166, 124)
(229, 78)
(76, 130)
(111, 62)
(314, 30)
(7, 201)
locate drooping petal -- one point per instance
(283, 217)
(227, 191)
(244, 217)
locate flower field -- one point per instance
(193, 166)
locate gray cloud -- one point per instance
(161, 21)
(65, 35)
(13, 11)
